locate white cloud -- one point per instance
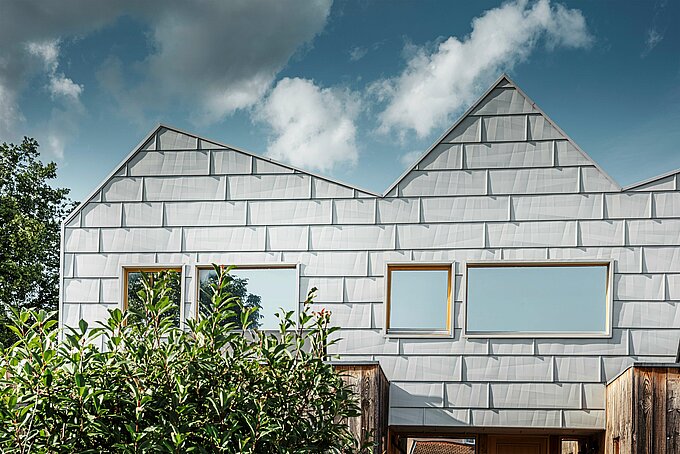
(48, 52)
(437, 82)
(10, 114)
(62, 126)
(59, 84)
(312, 127)
(210, 57)
(654, 37)
(223, 56)
(656, 32)
(407, 159)
(357, 53)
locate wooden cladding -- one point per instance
(372, 390)
(643, 411)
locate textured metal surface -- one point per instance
(505, 183)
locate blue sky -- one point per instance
(350, 89)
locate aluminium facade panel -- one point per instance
(504, 184)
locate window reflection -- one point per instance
(269, 290)
(419, 298)
(134, 285)
(537, 298)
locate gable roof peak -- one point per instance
(502, 82)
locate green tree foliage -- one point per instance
(171, 282)
(30, 214)
(214, 387)
(236, 286)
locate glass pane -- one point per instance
(135, 284)
(537, 299)
(570, 447)
(271, 290)
(419, 300)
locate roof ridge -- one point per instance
(274, 161)
(653, 179)
(164, 126)
(504, 77)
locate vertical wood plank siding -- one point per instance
(372, 390)
(643, 412)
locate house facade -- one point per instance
(428, 278)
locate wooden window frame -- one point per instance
(414, 266)
(127, 269)
(257, 266)
(609, 300)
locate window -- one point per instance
(418, 299)
(133, 284)
(525, 299)
(424, 445)
(271, 290)
(570, 447)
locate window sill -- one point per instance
(419, 335)
(502, 335)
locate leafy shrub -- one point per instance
(214, 387)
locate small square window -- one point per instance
(418, 299)
(134, 283)
(271, 290)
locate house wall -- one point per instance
(503, 184)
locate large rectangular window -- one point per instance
(133, 284)
(418, 299)
(270, 290)
(525, 299)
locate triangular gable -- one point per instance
(503, 129)
(168, 151)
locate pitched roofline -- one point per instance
(161, 126)
(116, 169)
(274, 161)
(566, 136)
(443, 136)
(651, 180)
(502, 77)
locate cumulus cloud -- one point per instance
(225, 55)
(437, 81)
(59, 84)
(211, 57)
(311, 127)
(407, 159)
(30, 33)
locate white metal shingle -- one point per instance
(534, 181)
(283, 186)
(141, 240)
(209, 239)
(511, 154)
(153, 163)
(184, 188)
(451, 182)
(205, 213)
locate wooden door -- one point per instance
(517, 445)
